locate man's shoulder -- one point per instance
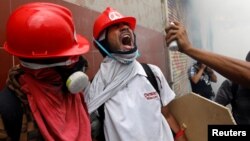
(226, 83)
(11, 114)
(4, 94)
(8, 101)
(154, 68)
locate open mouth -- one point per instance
(127, 41)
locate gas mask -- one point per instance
(71, 72)
(77, 82)
(74, 77)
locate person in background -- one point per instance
(36, 103)
(231, 68)
(133, 110)
(239, 98)
(200, 77)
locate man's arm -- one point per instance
(173, 123)
(231, 68)
(213, 78)
(196, 77)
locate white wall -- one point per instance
(232, 29)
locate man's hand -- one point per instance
(203, 66)
(182, 138)
(209, 71)
(178, 32)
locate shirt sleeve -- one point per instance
(224, 94)
(166, 93)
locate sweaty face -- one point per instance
(120, 37)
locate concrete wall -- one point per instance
(149, 13)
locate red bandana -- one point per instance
(59, 116)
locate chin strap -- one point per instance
(102, 48)
(126, 58)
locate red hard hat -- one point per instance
(109, 17)
(43, 30)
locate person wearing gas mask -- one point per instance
(41, 100)
(120, 91)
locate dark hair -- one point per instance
(104, 43)
(198, 63)
(82, 62)
(248, 57)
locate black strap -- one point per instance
(101, 117)
(151, 77)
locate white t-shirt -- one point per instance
(134, 113)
